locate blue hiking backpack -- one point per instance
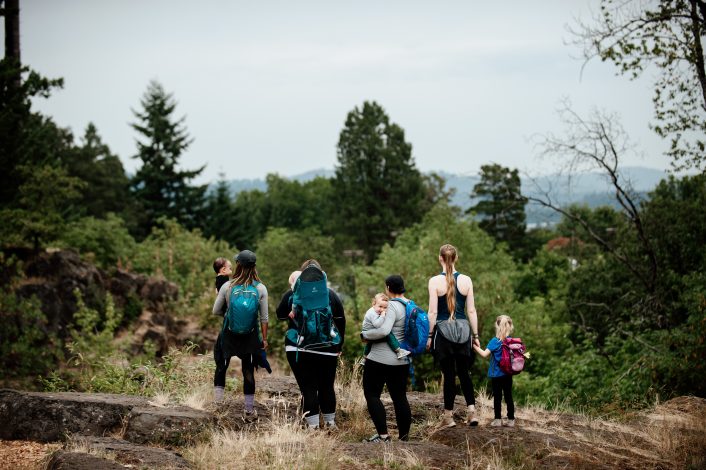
(243, 307)
(416, 328)
(313, 318)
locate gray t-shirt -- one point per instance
(223, 300)
(394, 322)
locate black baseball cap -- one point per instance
(246, 258)
(395, 284)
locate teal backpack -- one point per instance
(243, 308)
(313, 319)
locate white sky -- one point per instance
(265, 86)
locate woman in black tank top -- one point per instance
(454, 323)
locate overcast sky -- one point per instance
(265, 86)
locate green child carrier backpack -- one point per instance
(313, 320)
(243, 308)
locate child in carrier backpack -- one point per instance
(501, 382)
(223, 269)
(374, 318)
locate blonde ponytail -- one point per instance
(449, 256)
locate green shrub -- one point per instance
(105, 242)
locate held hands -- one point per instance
(428, 344)
(291, 315)
(264, 344)
(476, 342)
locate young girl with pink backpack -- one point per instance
(507, 358)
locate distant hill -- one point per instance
(592, 189)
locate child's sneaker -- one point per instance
(402, 353)
(510, 423)
(496, 423)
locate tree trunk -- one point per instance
(696, 27)
(12, 29)
(12, 37)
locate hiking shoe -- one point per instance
(330, 426)
(496, 423)
(401, 353)
(471, 419)
(250, 416)
(447, 421)
(510, 423)
(377, 438)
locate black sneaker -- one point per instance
(377, 438)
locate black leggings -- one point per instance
(315, 374)
(503, 386)
(457, 364)
(375, 376)
(222, 363)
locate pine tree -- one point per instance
(107, 185)
(378, 189)
(219, 219)
(160, 187)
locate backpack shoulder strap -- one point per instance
(403, 302)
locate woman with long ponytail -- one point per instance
(453, 324)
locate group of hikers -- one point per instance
(393, 330)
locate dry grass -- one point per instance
(160, 399)
(80, 446)
(283, 444)
(355, 423)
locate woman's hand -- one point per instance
(264, 344)
(476, 342)
(428, 344)
(291, 315)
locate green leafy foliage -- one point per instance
(184, 257)
(27, 348)
(105, 242)
(42, 208)
(666, 39)
(92, 333)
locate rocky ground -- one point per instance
(100, 431)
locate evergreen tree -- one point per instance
(501, 207)
(107, 185)
(160, 186)
(27, 139)
(378, 189)
(219, 219)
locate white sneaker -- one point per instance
(496, 423)
(510, 423)
(402, 353)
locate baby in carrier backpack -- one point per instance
(374, 318)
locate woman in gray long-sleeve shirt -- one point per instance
(242, 345)
(382, 367)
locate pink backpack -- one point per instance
(512, 360)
